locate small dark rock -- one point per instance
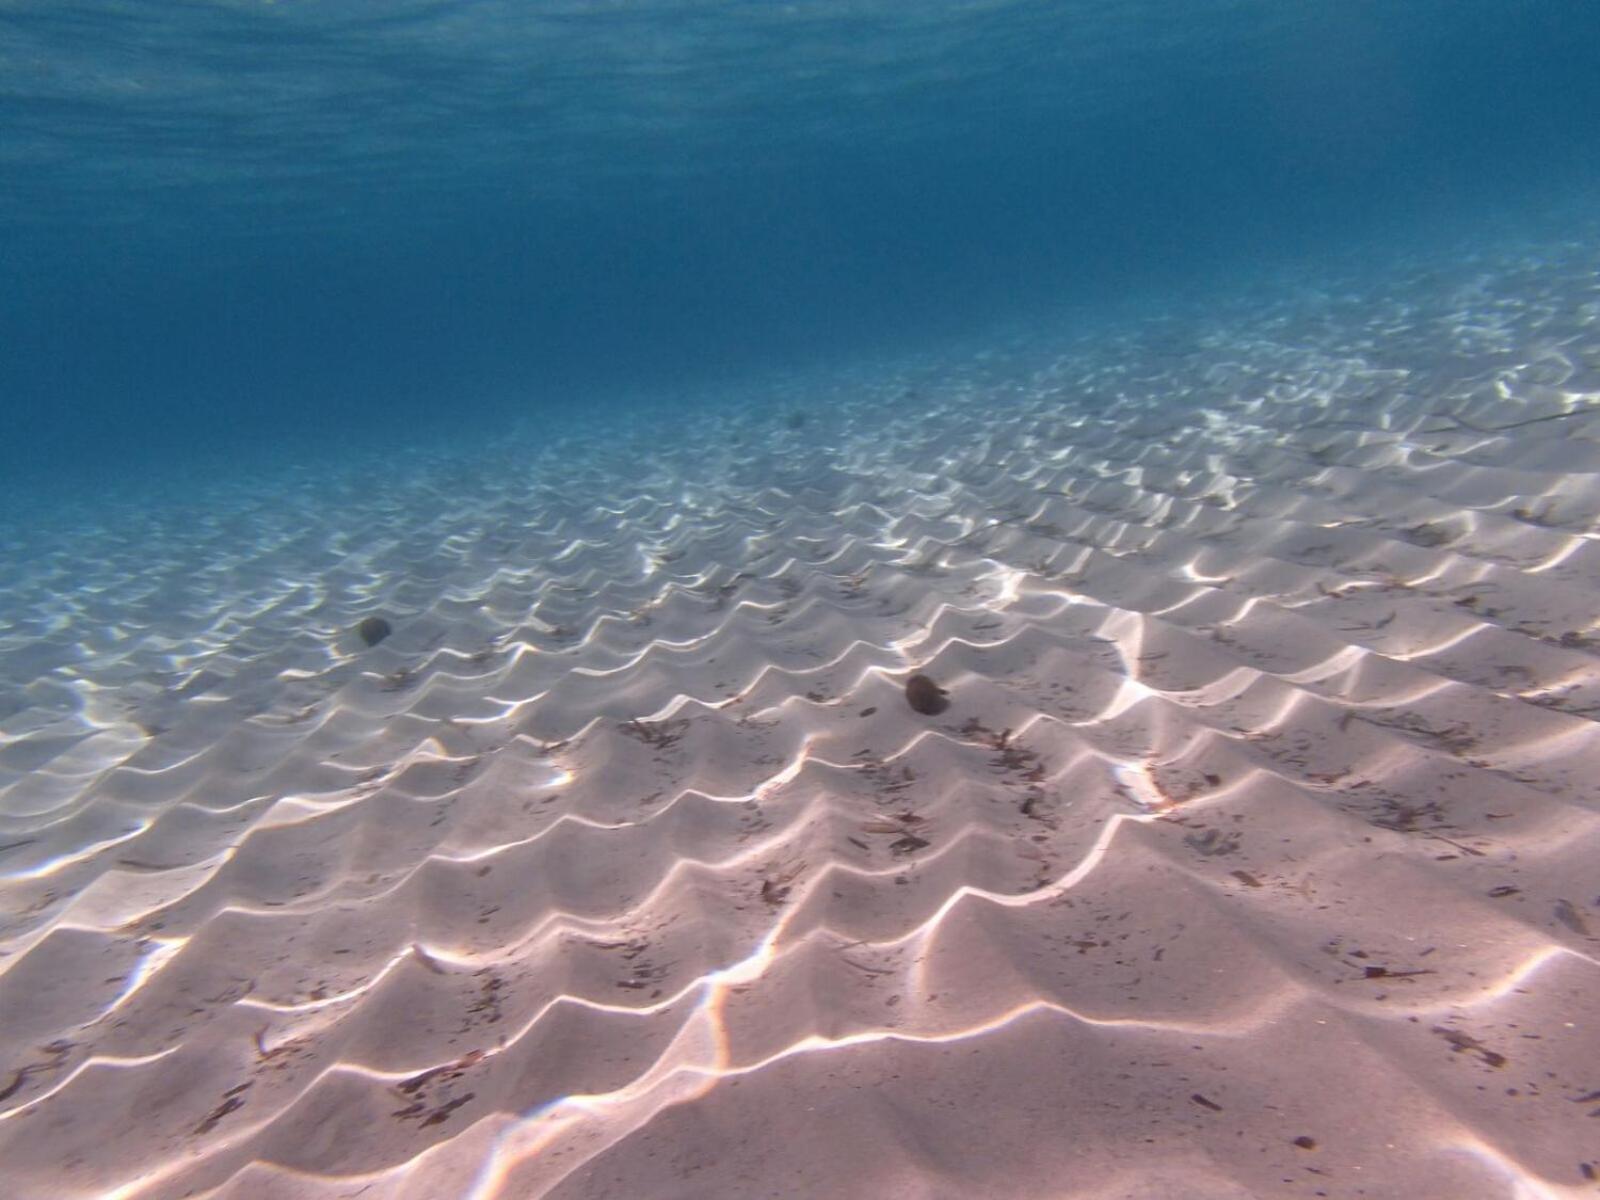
(926, 696)
(373, 630)
(1306, 1143)
(908, 843)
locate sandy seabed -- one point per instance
(1256, 854)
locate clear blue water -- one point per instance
(1205, 393)
(245, 232)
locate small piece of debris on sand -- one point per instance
(925, 696)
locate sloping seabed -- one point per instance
(1253, 855)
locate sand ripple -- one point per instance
(1254, 856)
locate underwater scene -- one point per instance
(682, 599)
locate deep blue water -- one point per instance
(237, 233)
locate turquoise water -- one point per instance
(478, 478)
(289, 233)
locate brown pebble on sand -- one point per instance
(925, 696)
(373, 630)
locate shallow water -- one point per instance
(243, 228)
(479, 479)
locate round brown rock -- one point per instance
(373, 630)
(926, 696)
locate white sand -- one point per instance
(1265, 808)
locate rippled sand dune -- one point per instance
(1254, 855)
